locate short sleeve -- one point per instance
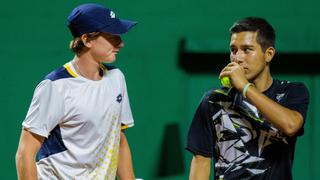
(297, 99)
(201, 138)
(46, 109)
(125, 112)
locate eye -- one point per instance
(233, 50)
(247, 50)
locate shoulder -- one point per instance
(288, 86)
(220, 94)
(108, 67)
(45, 89)
(60, 73)
(213, 100)
(287, 92)
(111, 69)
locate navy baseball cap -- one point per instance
(88, 18)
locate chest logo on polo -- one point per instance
(119, 98)
(280, 96)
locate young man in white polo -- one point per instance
(75, 125)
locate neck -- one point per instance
(264, 80)
(87, 67)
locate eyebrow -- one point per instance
(246, 46)
(242, 46)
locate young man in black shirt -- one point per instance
(250, 130)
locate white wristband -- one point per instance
(245, 89)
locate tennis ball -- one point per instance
(225, 81)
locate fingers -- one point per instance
(227, 70)
(232, 64)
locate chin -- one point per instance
(249, 78)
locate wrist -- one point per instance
(245, 89)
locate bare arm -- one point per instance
(286, 120)
(200, 168)
(25, 157)
(125, 168)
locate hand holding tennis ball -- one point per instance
(225, 81)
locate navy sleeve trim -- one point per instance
(59, 73)
(108, 66)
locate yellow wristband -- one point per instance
(245, 89)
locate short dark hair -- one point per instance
(265, 33)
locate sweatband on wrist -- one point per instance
(245, 89)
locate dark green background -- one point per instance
(34, 41)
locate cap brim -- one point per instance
(120, 27)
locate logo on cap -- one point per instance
(112, 14)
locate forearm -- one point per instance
(26, 168)
(286, 120)
(25, 157)
(200, 168)
(125, 168)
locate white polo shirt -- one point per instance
(81, 120)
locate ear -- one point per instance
(269, 53)
(86, 41)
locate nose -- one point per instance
(237, 57)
